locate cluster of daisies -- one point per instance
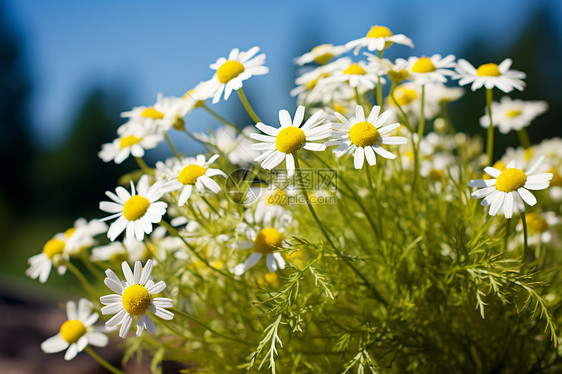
(162, 213)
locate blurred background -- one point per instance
(68, 68)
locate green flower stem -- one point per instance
(346, 260)
(357, 96)
(175, 232)
(76, 272)
(524, 138)
(411, 130)
(374, 195)
(172, 146)
(354, 195)
(379, 89)
(490, 138)
(143, 166)
(211, 206)
(421, 124)
(102, 361)
(525, 246)
(91, 267)
(206, 326)
(223, 121)
(247, 106)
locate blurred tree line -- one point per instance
(42, 191)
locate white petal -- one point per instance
(149, 324)
(527, 196)
(508, 205)
(370, 155)
(137, 272)
(358, 158)
(271, 264)
(54, 344)
(284, 118)
(116, 319)
(71, 352)
(493, 172)
(125, 326)
(383, 152)
(157, 288)
(163, 302)
(146, 272)
(97, 339)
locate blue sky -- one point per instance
(138, 46)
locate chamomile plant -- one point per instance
(273, 251)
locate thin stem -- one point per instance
(206, 326)
(357, 96)
(353, 192)
(91, 267)
(375, 293)
(525, 246)
(422, 118)
(76, 272)
(175, 232)
(379, 88)
(144, 167)
(374, 194)
(224, 122)
(102, 361)
(172, 147)
(247, 106)
(490, 139)
(524, 138)
(209, 205)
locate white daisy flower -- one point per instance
(134, 298)
(135, 211)
(190, 172)
(426, 70)
(363, 137)
(320, 54)
(282, 143)
(408, 96)
(378, 39)
(53, 254)
(233, 71)
(77, 332)
(196, 97)
(490, 76)
(166, 112)
(513, 115)
(509, 189)
(309, 80)
(356, 74)
(266, 242)
(135, 137)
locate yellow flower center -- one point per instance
(405, 96)
(128, 141)
(510, 180)
(379, 32)
(423, 65)
(556, 178)
(191, 173)
(513, 113)
(135, 207)
(363, 134)
(290, 139)
(354, 69)
(136, 299)
(488, 70)
(229, 70)
(152, 113)
(53, 247)
(72, 330)
(268, 240)
(68, 233)
(536, 223)
(323, 58)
